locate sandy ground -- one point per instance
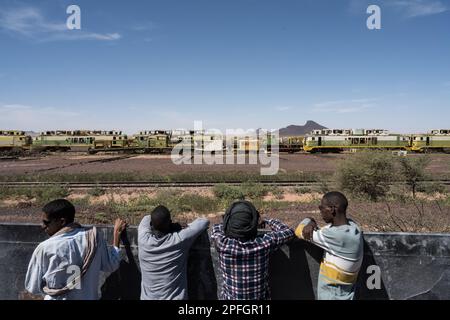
(373, 216)
(431, 215)
(161, 165)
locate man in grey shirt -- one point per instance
(163, 254)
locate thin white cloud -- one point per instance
(344, 106)
(144, 26)
(84, 36)
(283, 108)
(418, 8)
(31, 23)
(15, 107)
(403, 8)
(446, 84)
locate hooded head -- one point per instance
(241, 221)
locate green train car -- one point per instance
(198, 141)
(157, 141)
(435, 141)
(14, 140)
(87, 141)
(109, 140)
(61, 141)
(291, 144)
(209, 142)
(337, 140)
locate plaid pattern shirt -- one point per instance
(245, 265)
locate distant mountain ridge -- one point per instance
(294, 130)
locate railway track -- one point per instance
(165, 184)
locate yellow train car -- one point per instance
(435, 141)
(14, 140)
(248, 144)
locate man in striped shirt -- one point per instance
(342, 241)
(243, 255)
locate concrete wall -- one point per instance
(413, 266)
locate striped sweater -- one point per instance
(343, 255)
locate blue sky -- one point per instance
(230, 63)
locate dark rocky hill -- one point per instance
(294, 130)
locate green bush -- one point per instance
(96, 192)
(42, 194)
(82, 202)
(366, 174)
(413, 171)
(227, 192)
(303, 190)
(278, 193)
(16, 192)
(102, 217)
(254, 190)
(196, 203)
(431, 188)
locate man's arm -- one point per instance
(323, 238)
(280, 234)
(306, 228)
(217, 235)
(217, 232)
(144, 229)
(194, 229)
(34, 277)
(119, 226)
(111, 256)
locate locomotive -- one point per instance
(435, 140)
(337, 140)
(164, 141)
(80, 140)
(14, 140)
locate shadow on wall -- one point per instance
(293, 274)
(301, 261)
(202, 283)
(365, 277)
(125, 283)
(437, 290)
(296, 259)
(414, 266)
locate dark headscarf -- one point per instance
(241, 221)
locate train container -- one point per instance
(326, 141)
(80, 140)
(156, 141)
(291, 144)
(435, 141)
(14, 140)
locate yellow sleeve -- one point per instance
(299, 231)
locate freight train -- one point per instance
(337, 140)
(163, 141)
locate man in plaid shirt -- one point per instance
(244, 256)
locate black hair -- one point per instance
(337, 199)
(160, 217)
(60, 208)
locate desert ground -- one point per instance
(162, 164)
(428, 212)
